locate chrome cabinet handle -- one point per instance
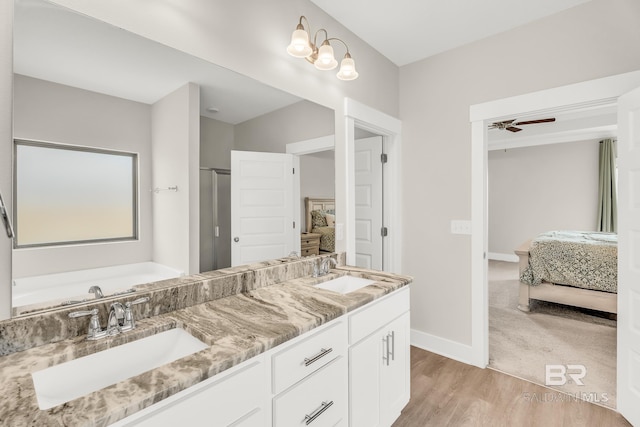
(236, 239)
(385, 349)
(389, 350)
(323, 352)
(309, 418)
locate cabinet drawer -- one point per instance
(310, 251)
(309, 241)
(236, 399)
(377, 314)
(318, 401)
(301, 359)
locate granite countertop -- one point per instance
(236, 327)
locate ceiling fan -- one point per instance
(511, 126)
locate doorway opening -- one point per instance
(618, 90)
(215, 218)
(362, 122)
(543, 181)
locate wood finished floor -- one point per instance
(445, 392)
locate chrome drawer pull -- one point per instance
(323, 352)
(315, 414)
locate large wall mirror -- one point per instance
(83, 83)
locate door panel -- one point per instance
(629, 256)
(368, 201)
(364, 382)
(262, 195)
(395, 375)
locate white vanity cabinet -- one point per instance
(352, 371)
(379, 361)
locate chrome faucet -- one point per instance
(121, 319)
(116, 319)
(324, 267)
(95, 289)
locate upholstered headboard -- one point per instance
(312, 204)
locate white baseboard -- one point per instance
(442, 346)
(503, 257)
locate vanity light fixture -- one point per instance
(322, 57)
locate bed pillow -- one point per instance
(318, 219)
(331, 220)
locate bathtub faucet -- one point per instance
(95, 289)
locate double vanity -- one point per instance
(258, 345)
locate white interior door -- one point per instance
(368, 200)
(262, 209)
(629, 256)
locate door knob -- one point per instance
(236, 239)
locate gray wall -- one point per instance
(541, 188)
(216, 143)
(597, 39)
(273, 131)
(52, 112)
(254, 44)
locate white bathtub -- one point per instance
(74, 285)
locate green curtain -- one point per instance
(607, 193)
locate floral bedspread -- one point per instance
(587, 260)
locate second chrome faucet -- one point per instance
(120, 319)
(324, 267)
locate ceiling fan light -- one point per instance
(299, 46)
(326, 61)
(347, 68)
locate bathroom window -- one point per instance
(69, 194)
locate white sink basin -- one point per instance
(76, 378)
(345, 284)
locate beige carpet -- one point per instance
(521, 344)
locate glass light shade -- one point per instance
(347, 69)
(326, 60)
(299, 46)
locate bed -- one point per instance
(570, 267)
(320, 219)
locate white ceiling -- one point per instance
(585, 124)
(52, 43)
(406, 31)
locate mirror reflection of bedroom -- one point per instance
(317, 191)
(553, 252)
(368, 194)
